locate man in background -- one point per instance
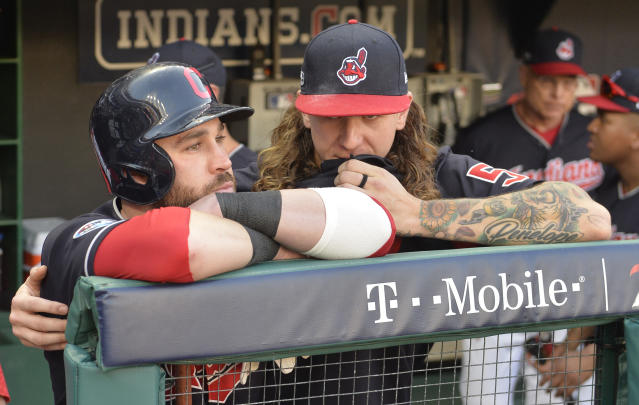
(210, 65)
(543, 137)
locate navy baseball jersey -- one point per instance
(242, 157)
(377, 376)
(502, 139)
(75, 242)
(623, 207)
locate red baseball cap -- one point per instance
(619, 92)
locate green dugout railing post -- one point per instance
(607, 362)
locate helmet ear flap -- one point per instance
(144, 184)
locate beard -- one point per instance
(182, 196)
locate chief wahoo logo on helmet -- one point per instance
(353, 70)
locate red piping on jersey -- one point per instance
(386, 247)
(150, 247)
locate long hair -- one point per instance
(291, 157)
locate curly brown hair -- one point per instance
(291, 157)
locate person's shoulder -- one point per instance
(607, 190)
(82, 226)
(242, 157)
(490, 125)
(462, 176)
(492, 119)
(246, 177)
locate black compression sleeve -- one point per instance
(264, 248)
(260, 211)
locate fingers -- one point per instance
(358, 166)
(37, 273)
(37, 323)
(40, 340)
(24, 302)
(34, 281)
(355, 179)
(35, 330)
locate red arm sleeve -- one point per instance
(4, 392)
(151, 247)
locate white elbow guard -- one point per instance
(356, 226)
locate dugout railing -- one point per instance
(123, 332)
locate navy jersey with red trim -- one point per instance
(623, 207)
(376, 376)
(502, 139)
(384, 377)
(75, 243)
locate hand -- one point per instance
(32, 329)
(382, 186)
(566, 370)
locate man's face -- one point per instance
(202, 166)
(340, 137)
(550, 97)
(614, 136)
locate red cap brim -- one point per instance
(603, 103)
(343, 105)
(557, 68)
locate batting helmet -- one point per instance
(149, 103)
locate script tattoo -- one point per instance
(543, 214)
(539, 215)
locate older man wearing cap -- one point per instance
(541, 135)
(210, 65)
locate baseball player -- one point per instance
(354, 102)
(354, 124)
(541, 136)
(614, 141)
(210, 65)
(157, 134)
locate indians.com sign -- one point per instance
(125, 33)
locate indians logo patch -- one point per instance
(353, 70)
(92, 226)
(566, 49)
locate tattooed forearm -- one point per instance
(437, 215)
(548, 213)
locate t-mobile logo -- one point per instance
(382, 303)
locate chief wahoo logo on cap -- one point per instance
(566, 50)
(353, 70)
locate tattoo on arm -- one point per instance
(542, 214)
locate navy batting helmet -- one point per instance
(149, 103)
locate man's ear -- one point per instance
(402, 116)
